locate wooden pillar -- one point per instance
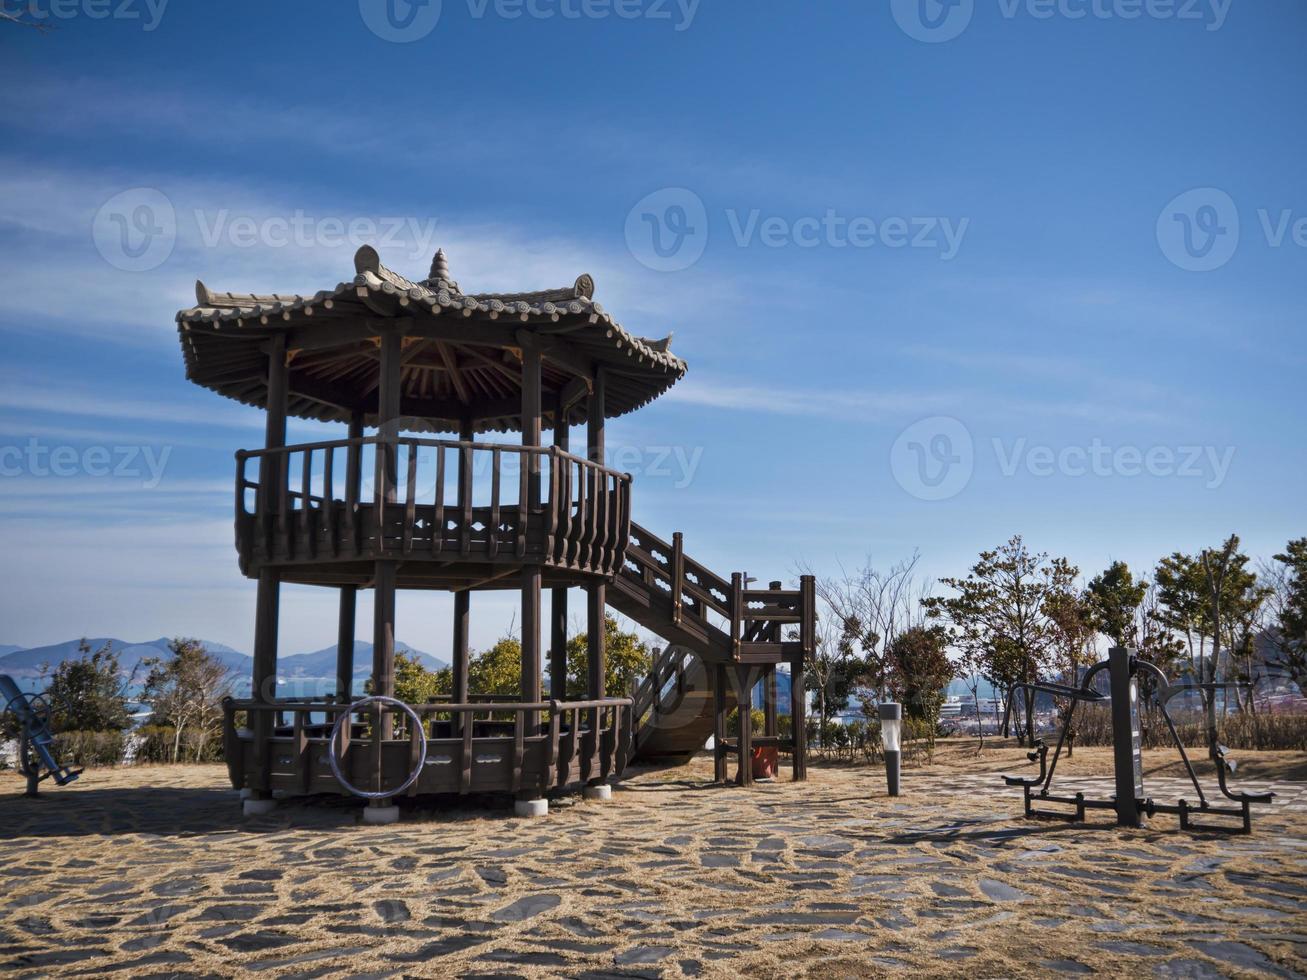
(745, 679)
(385, 572)
(799, 719)
(383, 631)
(719, 722)
(596, 594)
(462, 598)
(347, 622)
(558, 600)
(531, 578)
(272, 473)
(798, 695)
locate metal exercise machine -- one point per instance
(1131, 805)
(36, 758)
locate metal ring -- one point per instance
(335, 734)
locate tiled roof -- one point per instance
(222, 335)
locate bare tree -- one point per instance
(23, 20)
(186, 692)
(1286, 610)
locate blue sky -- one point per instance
(931, 292)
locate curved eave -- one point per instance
(222, 344)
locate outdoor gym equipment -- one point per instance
(1131, 805)
(36, 740)
(343, 719)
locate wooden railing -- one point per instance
(470, 747)
(752, 620)
(430, 498)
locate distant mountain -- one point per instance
(7, 648)
(322, 663)
(27, 663)
(22, 663)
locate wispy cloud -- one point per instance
(843, 404)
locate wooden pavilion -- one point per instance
(388, 509)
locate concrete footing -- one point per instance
(247, 794)
(258, 807)
(530, 808)
(380, 814)
(600, 792)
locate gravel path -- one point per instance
(152, 872)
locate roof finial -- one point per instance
(439, 267)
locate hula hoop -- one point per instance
(335, 735)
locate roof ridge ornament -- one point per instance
(367, 259)
(439, 266)
(368, 262)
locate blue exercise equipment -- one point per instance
(36, 759)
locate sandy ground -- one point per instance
(153, 872)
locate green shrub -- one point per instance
(757, 716)
(157, 743)
(90, 748)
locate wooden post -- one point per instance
(268, 598)
(745, 679)
(383, 624)
(798, 720)
(531, 643)
(346, 625)
(596, 594)
(345, 629)
(531, 577)
(719, 722)
(463, 597)
(558, 600)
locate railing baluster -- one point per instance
(592, 514)
(353, 476)
(551, 511)
(283, 501)
(465, 495)
(523, 502)
(465, 754)
(329, 500)
(306, 487)
(737, 611)
(411, 496)
(600, 556)
(565, 511)
(492, 543)
(438, 531)
(302, 768)
(414, 751)
(678, 574)
(379, 465)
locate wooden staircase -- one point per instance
(710, 623)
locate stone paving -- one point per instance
(152, 872)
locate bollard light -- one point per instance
(891, 724)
